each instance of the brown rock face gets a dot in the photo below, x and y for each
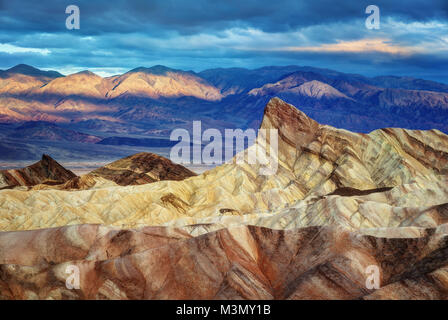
(340, 204)
(46, 171)
(142, 168)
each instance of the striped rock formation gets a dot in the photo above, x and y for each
(339, 203)
(45, 171)
(232, 263)
(142, 168)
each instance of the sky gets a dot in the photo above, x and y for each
(116, 36)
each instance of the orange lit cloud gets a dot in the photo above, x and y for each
(357, 46)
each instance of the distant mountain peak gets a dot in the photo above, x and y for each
(32, 71)
(142, 168)
(47, 161)
(23, 68)
(46, 157)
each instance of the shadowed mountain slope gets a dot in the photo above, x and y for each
(137, 169)
(46, 170)
(42, 130)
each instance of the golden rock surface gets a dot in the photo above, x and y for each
(339, 204)
(314, 161)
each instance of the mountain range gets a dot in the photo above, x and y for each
(150, 102)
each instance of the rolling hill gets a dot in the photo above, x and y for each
(339, 203)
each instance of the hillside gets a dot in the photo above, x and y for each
(338, 203)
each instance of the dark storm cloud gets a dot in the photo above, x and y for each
(197, 34)
(194, 16)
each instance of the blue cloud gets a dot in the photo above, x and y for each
(201, 34)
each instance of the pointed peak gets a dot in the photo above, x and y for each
(294, 126)
(47, 159)
(156, 70)
(276, 107)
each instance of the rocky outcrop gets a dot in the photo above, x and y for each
(313, 161)
(46, 171)
(137, 169)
